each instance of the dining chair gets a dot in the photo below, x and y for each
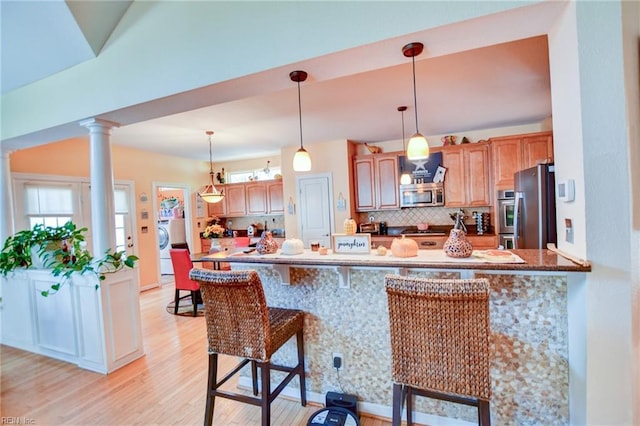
(182, 264)
(439, 342)
(240, 324)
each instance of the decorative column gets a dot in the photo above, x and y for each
(6, 199)
(102, 192)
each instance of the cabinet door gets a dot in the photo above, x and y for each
(537, 149)
(454, 180)
(507, 159)
(365, 190)
(275, 199)
(386, 181)
(256, 194)
(235, 198)
(477, 174)
(218, 209)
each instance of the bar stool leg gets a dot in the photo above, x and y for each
(265, 373)
(484, 413)
(254, 376)
(301, 375)
(211, 387)
(409, 405)
(397, 404)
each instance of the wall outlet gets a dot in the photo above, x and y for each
(338, 361)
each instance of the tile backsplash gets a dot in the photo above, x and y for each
(412, 216)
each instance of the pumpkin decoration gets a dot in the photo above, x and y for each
(381, 251)
(292, 246)
(404, 247)
(350, 226)
(267, 244)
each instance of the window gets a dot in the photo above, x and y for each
(53, 202)
(48, 204)
(251, 175)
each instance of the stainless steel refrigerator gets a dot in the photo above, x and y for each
(535, 207)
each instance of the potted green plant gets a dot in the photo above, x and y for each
(61, 249)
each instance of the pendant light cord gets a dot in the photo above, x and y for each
(300, 114)
(404, 151)
(415, 101)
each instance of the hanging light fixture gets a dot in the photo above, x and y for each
(405, 178)
(302, 160)
(209, 193)
(418, 147)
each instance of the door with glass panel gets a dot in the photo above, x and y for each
(123, 216)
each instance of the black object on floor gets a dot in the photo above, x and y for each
(333, 416)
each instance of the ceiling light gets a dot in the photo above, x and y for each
(418, 148)
(405, 178)
(209, 193)
(301, 161)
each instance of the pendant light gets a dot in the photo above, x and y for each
(302, 160)
(405, 178)
(418, 147)
(209, 193)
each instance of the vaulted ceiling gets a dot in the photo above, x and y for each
(500, 85)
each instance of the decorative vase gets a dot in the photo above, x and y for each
(457, 244)
(267, 244)
(215, 246)
(350, 226)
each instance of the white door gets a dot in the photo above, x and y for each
(315, 212)
(124, 216)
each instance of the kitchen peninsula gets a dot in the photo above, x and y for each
(344, 298)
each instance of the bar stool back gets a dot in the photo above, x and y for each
(240, 324)
(439, 342)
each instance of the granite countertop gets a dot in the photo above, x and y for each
(524, 260)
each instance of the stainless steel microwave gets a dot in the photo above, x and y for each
(421, 195)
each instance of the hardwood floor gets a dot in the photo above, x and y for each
(165, 387)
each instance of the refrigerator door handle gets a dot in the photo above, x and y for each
(516, 218)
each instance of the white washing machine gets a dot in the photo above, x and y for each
(169, 232)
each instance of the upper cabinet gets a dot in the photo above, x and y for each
(218, 209)
(264, 198)
(466, 182)
(376, 182)
(253, 198)
(514, 153)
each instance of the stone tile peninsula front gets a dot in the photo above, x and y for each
(345, 303)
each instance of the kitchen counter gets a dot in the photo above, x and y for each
(345, 307)
(532, 260)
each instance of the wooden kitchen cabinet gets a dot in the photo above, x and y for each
(235, 200)
(264, 198)
(466, 182)
(376, 182)
(256, 194)
(218, 209)
(275, 198)
(518, 152)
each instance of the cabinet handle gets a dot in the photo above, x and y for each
(428, 243)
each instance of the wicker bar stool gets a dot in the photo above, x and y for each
(439, 342)
(239, 323)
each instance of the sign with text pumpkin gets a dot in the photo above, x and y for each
(351, 243)
(422, 171)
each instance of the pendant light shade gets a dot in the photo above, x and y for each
(209, 193)
(302, 160)
(418, 147)
(405, 178)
